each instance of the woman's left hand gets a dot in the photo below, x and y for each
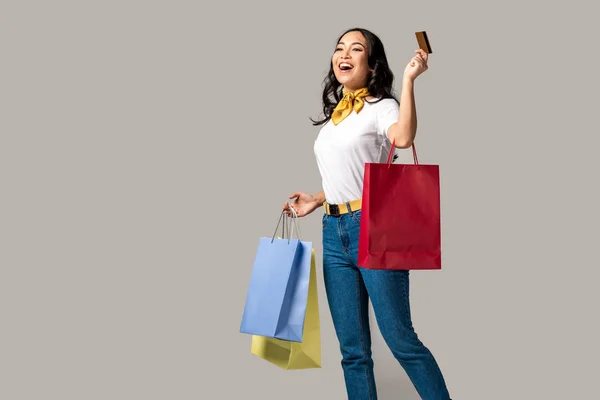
(417, 65)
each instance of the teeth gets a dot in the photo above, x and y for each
(344, 65)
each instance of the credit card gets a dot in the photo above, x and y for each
(423, 41)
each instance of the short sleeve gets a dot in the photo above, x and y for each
(387, 114)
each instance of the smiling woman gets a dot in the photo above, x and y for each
(362, 119)
(358, 60)
(351, 70)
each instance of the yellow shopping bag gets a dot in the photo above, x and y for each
(295, 355)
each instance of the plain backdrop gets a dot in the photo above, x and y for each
(146, 146)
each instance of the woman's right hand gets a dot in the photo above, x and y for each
(303, 204)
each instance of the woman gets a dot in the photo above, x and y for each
(361, 120)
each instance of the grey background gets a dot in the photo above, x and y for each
(146, 146)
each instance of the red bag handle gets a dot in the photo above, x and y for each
(391, 154)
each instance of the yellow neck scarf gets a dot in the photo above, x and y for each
(350, 101)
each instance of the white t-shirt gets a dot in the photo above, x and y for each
(342, 150)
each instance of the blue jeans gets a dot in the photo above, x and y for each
(348, 289)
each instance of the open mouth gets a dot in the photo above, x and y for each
(345, 67)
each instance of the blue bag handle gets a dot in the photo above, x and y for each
(294, 225)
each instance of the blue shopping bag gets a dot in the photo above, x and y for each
(278, 291)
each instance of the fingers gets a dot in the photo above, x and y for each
(287, 206)
(287, 210)
(420, 60)
(423, 53)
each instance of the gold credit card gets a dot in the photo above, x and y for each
(423, 41)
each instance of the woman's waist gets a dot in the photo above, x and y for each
(336, 209)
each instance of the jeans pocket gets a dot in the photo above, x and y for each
(356, 216)
(324, 220)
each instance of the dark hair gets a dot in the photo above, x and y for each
(379, 82)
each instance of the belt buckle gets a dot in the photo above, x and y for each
(334, 210)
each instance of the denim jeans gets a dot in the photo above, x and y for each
(349, 288)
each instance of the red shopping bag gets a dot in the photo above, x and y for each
(400, 225)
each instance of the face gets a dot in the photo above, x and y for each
(349, 61)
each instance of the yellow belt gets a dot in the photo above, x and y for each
(344, 208)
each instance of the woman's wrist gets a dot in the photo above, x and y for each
(406, 81)
(318, 199)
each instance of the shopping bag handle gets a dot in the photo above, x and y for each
(283, 229)
(294, 225)
(391, 154)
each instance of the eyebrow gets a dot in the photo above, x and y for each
(353, 43)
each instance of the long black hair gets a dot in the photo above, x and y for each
(379, 82)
